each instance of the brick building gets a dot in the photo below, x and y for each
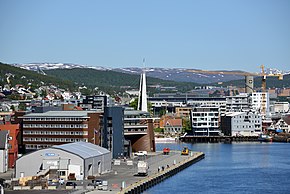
(42, 130)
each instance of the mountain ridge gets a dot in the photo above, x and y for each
(173, 74)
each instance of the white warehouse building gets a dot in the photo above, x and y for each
(81, 159)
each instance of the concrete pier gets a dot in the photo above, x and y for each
(124, 179)
(158, 177)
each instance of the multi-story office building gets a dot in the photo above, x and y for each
(238, 103)
(113, 131)
(241, 124)
(205, 121)
(41, 130)
(260, 102)
(169, 103)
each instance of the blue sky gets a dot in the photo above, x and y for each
(198, 34)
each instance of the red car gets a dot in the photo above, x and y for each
(166, 151)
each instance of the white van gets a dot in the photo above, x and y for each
(141, 153)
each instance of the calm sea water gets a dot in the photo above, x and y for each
(232, 168)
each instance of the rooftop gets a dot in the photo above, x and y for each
(83, 149)
(60, 114)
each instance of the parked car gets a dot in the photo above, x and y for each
(69, 183)
(95, 182)
(52, 182)
(166, 151)
(61, 181)
(141, 153)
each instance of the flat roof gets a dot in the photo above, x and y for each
(83, 149)
(135, 112)
(60, 114)
(232, 114)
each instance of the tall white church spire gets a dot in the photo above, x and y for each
(142, 99)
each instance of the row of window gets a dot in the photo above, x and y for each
(205, 119)
(55, 139)
(55, 126)
(135, 130)
(204, 114)
(55, 119)
(205, 124)
(55, 132)
(250, 121)
(246, 126)
(29, 146)
(173, 129)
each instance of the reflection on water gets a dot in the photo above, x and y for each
(232, 168)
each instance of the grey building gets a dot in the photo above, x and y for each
(81, 159)
(241, 124)
(94, 102)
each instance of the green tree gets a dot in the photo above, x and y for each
(186, 124)
(12, 107)
(22, 106)
(134, 103)
(162, 112)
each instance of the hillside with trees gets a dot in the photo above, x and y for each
(30, 78)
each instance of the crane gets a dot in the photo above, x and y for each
(263, 74)
(249, 80)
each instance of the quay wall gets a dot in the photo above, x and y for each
(217, 139)
(156, 178)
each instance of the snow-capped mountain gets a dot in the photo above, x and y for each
(175, 74)
(50, 66)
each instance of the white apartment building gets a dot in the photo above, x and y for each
(209, 102)
(260, 102)
(241, 124)
(238, 103)
(205, 121)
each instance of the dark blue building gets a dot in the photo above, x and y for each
(113, 131)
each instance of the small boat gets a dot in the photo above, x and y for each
(265, 138)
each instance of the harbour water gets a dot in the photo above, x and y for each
(232, 168)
